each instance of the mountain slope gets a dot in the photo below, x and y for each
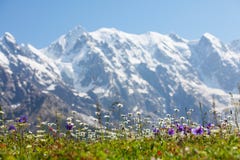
(149, 72)
(30, 83)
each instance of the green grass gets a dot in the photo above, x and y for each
(161, 147)
(133, 137)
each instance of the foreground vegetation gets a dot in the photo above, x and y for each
(133, 137)
(200, 147)
(193, 147)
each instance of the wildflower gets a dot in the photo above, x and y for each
(156, 131)
(69, 126)
(138, 113)
(210, 125)
(74, 112)
(180, 128)
(97, 113)
(23, 119)
(106, 116)
(147, 130)
(189, 113)
(43, 123)
(229, 117)
(51, 129)
(69, 118)
(40, 131)
(208, 131)
(62, 135)
(119, 105)
(11, 128)
(187, 130)
(171, 131)
(176, 110)
(159, 153)
(198, 131)
(9, 121)
(191, 110)
(160, 120)
(129, 114)
(187, 149)
(123, 116)
(182, 118)
(195, 124)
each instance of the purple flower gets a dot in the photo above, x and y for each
(23, 119)
(171, 131)
(69, 126)
(156, 131)
(180, 128)
(198, 131)
(209, 126)
(208, 131)
(11, 128)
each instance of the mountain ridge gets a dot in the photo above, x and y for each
(148, 72)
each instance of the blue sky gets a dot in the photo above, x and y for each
(39, 22)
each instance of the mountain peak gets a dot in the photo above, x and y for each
(209, 39)
(75, 33)
(176, 37)
(107, 30)
(209, 36)
(77, 29)
(9, 37)
(65, 42)
(110, 32)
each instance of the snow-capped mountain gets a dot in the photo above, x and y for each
(30, 83)
(151, 73)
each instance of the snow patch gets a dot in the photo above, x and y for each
(81, 94)
(51, 87)
(40, 70)
(14, 106)
(4, 60)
